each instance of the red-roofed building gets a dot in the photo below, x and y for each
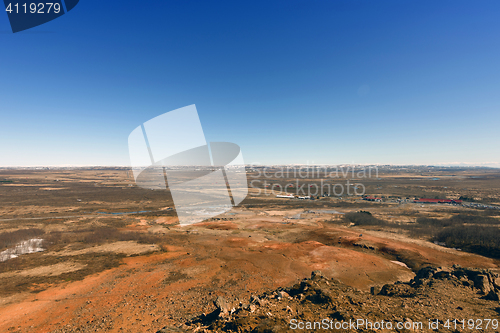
(370, 198)
(448, 201)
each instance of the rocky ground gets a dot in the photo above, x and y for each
(433, 299)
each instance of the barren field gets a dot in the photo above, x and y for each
(115, 259)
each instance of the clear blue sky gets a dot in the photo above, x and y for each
(326, 82)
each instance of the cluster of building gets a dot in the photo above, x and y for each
(291, 196)
(421, 200)
(479, 205)
(418, 201)
(448, 201)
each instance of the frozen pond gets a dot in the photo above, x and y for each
(324, 211)
(28, 246)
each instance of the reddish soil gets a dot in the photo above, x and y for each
(202, 262)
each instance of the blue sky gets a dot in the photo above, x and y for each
(324, 82)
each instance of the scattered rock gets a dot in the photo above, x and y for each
(256, 300)
(398, 290)
(167, 329)
(442, 275)
(283, 294)
(223, 306)
(317, 275)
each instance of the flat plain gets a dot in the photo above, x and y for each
(114, 257)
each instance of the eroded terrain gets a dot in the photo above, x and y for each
(116, 260)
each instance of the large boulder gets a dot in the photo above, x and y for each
(493, 295)
(398, 290)
(482, 283)
(496, 281)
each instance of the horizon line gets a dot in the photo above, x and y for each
(492, 165)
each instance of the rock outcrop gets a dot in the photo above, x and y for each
(433, 293)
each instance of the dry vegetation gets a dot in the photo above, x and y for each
(99, 249)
